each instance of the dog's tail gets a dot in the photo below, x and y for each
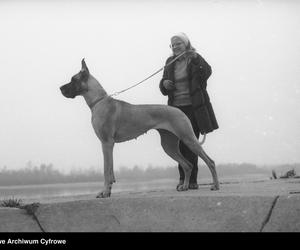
(203, 139)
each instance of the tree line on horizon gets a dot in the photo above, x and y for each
(47, 174)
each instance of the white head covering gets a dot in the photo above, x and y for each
(183, 37)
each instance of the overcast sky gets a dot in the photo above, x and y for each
(252, 46)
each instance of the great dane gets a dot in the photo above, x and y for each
(118, 121)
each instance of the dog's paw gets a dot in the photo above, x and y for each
(103, 194)
(214, 187)
(182, 188)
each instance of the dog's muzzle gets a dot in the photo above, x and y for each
(68, 91)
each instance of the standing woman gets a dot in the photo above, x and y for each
(184, 82)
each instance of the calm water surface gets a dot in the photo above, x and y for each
(43, 193)
(48, 191)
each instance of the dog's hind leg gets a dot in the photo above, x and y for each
(195, 146)
(183, 130)
(170, 144)
(109, 177)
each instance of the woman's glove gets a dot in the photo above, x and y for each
(168, 84)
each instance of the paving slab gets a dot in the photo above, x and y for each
(154, 214)
(16, 220)
(285, 215)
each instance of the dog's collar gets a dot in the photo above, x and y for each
(96, 101)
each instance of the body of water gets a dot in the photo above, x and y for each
(52, 192)
(46, 192)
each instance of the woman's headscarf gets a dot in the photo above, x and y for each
(184, 38)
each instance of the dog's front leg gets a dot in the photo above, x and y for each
(109, 178)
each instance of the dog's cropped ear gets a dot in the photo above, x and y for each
(84, 67)
(84, 71)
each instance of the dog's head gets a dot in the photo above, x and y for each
(78, 84)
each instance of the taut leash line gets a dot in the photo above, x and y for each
(156, 72)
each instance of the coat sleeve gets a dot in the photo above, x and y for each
(163, 90)
(205, 68)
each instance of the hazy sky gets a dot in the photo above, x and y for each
(252, 46)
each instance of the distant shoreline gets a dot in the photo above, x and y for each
(46, 173)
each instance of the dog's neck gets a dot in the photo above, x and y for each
(95, 92)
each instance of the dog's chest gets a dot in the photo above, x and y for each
(127, 133)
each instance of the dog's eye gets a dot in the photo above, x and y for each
(74, 80)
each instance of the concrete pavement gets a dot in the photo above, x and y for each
(267, 206)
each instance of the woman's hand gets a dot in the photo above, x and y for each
(192, 57)
(191, 54)
(168, 84)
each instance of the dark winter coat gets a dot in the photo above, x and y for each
(198, 73)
